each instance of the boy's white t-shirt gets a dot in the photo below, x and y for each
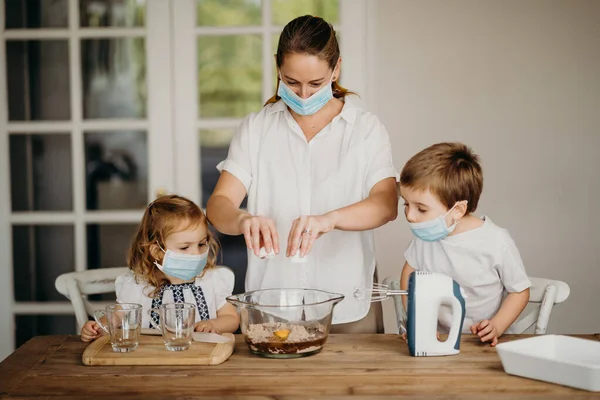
(484, 261)
(216, 283)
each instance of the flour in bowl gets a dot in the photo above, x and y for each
(285, 338)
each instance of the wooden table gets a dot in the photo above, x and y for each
(350, 365)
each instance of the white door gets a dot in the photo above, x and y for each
(106, 103)
(85, 113)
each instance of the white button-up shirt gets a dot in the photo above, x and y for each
(286, 177)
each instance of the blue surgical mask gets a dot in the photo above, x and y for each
(433, 230)
(305, 106)
(183, 266)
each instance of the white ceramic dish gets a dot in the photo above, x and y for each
(563, 360)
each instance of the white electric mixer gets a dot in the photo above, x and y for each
(426, 292)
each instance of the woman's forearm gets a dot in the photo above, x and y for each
(376, 210)
(223, 206)
(224, 215)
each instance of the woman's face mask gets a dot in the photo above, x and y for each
(307, 106)
(316, 101)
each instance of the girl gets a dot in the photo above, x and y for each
(173, 260)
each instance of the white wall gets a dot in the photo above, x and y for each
(519, 81)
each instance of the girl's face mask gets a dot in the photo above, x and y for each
(182, 266)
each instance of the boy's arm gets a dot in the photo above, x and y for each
(514, 279)
(511, 308)
(406, 271)
(509, 311)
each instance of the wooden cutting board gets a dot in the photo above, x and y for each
(152, 351)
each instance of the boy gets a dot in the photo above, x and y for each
(441, 186)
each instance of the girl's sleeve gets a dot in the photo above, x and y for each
(127, 289)
(223, 285)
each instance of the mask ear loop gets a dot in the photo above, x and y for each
(156, 261)
(454, 221)
(160, 247)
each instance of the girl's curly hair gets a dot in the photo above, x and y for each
(161, 218)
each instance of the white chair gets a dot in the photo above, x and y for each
(544, 294)
(77, 285)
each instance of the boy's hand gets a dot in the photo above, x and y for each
(91, 331)
(206, 326)
(487, 331)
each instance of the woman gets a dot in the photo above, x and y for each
(316, 169)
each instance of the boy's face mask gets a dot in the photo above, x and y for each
(434, 229)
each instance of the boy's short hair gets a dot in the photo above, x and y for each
(451, 171)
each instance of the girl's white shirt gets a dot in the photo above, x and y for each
(216, 283)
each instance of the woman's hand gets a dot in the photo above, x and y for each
(305, 230)
(258, 232)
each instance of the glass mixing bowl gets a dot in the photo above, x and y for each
(285, 323)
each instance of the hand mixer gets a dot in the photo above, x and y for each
(426, 292)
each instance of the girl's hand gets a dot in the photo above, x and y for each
(206, 326)
(259, 231)
(91, 331)
(487, 331)
(305, 230)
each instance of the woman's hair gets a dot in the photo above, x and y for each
(311, 36)
(162, 217)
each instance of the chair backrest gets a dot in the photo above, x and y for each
(77, 285)
(544, 294)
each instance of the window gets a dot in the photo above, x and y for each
(76, 118)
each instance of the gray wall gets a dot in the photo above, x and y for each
(519, 81)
